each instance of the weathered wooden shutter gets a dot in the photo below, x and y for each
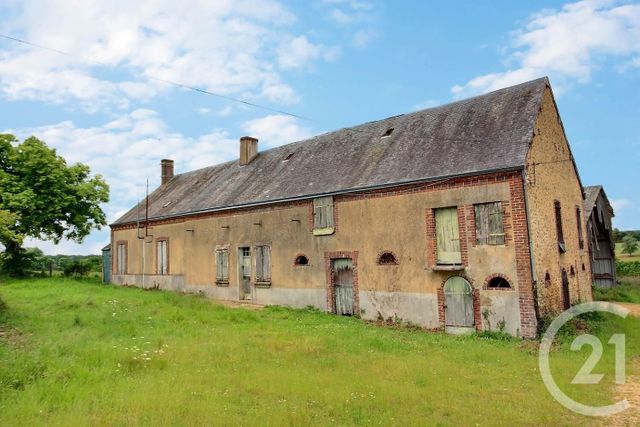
(489, 224)
(159, 257)
(266, 263)
(259, 262)
(323, 212)
(225, 265)
(447, 236)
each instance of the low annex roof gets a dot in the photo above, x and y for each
(485, 133)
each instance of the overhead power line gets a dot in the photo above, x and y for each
(169, 82)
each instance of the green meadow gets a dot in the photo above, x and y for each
(77, 352)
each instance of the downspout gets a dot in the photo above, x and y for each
(534, 276)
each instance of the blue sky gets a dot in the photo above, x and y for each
(335, 62)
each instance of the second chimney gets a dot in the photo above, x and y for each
(166, 170)
(248, 149)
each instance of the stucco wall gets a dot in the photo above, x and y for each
(551, 176)
(367, 223)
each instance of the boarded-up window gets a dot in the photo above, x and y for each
(121, 258)
(263, 263)
(222, 265)
(447, 236)
(323, 213)
(559, 232)
(579, 222)
(162, 256)
(489, 225)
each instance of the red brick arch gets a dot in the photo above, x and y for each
(493, 276)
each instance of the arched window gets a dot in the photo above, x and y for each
(572, 271)
(387, 258)
(301, 260)
(498, 282)
(547, 279)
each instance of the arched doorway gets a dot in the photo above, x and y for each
(458, 300)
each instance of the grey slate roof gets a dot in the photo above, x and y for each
(484, 133)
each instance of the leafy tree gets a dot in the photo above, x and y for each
(629, 245)
(617, 235)
(44, 198)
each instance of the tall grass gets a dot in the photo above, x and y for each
(77, 353)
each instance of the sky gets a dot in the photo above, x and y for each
(104, 100)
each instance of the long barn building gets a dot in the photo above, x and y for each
(468, 216)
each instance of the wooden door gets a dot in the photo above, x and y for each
(244, 260)
(447, 236)
(458, 303)
(342, 272)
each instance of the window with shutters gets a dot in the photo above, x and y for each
(162, 256)
(579, 222)
(263, 264)
(323, 216)
(559, 231)
(489, 225)
(222, 266)
(121, 258)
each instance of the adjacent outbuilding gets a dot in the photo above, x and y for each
(598, 212)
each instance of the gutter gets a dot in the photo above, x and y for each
(331, 193)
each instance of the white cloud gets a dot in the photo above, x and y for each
(128, 149)
(299, 52)
(429, 103)
(566, 44)
(363, 37)
(620, 204)
(228, 47)
(276, 129)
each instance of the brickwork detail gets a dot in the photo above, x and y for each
(462, 230)
(430, 221)
(485, 286)
(528, 319)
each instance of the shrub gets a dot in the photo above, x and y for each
(77, 268)
(625, 268)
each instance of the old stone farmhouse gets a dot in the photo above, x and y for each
(460, 217)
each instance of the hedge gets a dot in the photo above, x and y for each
(628, 268)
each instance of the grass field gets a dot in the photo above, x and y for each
(626, 257)
(77, 353)
(628, 290)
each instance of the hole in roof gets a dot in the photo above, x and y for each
(287, 157)
(388, 132)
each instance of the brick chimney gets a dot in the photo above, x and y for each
(166, 170)
(248, 149)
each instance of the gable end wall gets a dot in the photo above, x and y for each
(550, 176)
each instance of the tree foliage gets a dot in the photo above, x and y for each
(43, 197)
(629, 245)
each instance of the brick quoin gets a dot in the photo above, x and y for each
(528, 319)
(430, 222)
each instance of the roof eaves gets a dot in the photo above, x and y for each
(313, 196)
